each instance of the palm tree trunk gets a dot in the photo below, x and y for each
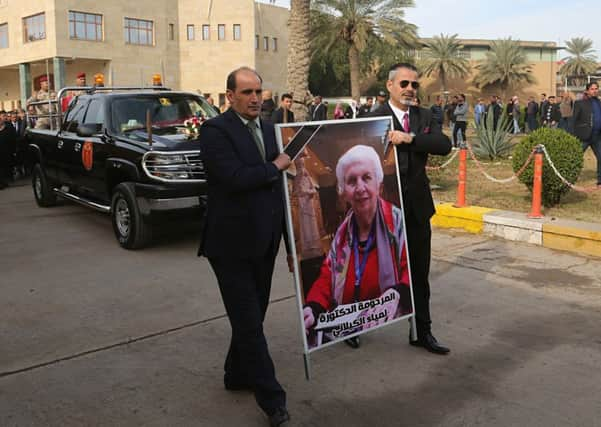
(299, 57)
(443, 83)
(353, 59)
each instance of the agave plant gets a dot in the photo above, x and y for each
(494, 142)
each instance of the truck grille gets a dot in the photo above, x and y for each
(174, 166)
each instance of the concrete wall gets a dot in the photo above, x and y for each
(271, 21)
(13, 12)
(128, 64)
(9, 89)
(205, 64)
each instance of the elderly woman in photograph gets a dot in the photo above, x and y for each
(368, 257)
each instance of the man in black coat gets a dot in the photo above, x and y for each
(318, 111)
(495, 109)
(551, 114)
(19, 124)
(242, 232)
(416, 134)
(586, 122)
(8, 144)
(283, 114)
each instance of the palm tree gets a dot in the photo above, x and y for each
(441, 57)
(352, 22)
(505, 65)
(299, 56)
(582, 60)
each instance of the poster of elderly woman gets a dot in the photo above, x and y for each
(347, 225)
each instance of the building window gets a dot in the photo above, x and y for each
(256, 42)
(464, 54)
(237, 32)
(34, 27)
(85, 26)
(221, 32)
(171, 34)
(139, 31)
(275, 44)
(265, 43)
(3, 36)
(206, 32)
(190, 32)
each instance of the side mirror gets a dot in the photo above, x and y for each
(85, 130)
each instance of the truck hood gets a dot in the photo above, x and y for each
(166, 142)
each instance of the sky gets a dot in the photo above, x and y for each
(532, 20)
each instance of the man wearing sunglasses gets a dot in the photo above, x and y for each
(416, 134)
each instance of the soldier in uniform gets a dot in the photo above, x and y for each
(80, 82)
(43, 110)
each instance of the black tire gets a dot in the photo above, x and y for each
(131, 229)
(42, 190)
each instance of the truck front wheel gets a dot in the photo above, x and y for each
(131, 229)
(42, 191)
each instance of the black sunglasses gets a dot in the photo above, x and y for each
(405, 83)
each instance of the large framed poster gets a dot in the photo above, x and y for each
(345, 218)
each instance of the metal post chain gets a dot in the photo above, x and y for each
(445, 164)
(565, 181)
(492, 178)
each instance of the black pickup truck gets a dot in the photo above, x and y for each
(129, 152)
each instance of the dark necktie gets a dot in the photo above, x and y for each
(253, 128)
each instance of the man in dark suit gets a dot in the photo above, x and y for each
(283, 114)
(416, 134)
(318, 110)
(21, 150)
(242, 232)
(586, 122)
(551, 115)
(495, 109)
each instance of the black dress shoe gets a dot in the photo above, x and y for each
(353, 342)
(279, 418)
(428, 342)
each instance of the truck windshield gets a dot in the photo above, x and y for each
(168, 112)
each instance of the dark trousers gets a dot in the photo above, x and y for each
(245, 285)
(4, 176)
(595, 143)
(459, 126)
(532, 123)
(419, 238)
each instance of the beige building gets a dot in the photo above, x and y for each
(193, 44)
(541, 55)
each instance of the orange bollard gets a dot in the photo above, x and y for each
(460, 203)
(537, 185)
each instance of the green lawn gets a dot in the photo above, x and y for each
(514, 196)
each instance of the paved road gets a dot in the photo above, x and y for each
(92, 335)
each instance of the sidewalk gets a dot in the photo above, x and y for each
(554, 233)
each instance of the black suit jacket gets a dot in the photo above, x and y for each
(278, 116)
(582, 119)
(245, 206)
(318, 112)
(412, 159)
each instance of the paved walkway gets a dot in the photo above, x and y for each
(92, 335)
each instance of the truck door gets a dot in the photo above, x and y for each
(69, 146)
(93, 152)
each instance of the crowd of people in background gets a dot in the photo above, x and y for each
(548, 111)
(455, 112)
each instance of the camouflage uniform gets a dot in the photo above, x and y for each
(42, 110)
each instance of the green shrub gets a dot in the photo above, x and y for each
(565, 151)
(494, 142)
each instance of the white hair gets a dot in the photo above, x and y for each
(359, 153)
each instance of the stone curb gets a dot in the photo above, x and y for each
(567, 235)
